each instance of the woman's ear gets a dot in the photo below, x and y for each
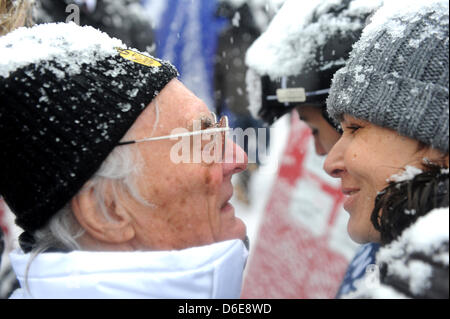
(112, 227)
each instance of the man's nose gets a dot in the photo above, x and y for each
(235, 159)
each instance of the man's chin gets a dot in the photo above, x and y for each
(237, 230)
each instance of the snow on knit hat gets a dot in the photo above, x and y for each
(398, 72)
(304, 45)
(68, 94)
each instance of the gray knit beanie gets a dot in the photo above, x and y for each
(398, 73)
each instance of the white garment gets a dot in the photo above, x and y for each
(212, 271)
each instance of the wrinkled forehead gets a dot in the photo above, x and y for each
(177, 100)
(174, 107)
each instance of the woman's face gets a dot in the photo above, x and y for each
(191, 200)
(364, 158)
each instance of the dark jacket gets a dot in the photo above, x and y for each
(413, 259)
(413, 272)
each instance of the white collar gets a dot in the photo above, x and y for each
(212, 271)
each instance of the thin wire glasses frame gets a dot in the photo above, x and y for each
(220, 126)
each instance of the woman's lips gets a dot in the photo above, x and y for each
(350, 198)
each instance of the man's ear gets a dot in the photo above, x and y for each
(115, 228)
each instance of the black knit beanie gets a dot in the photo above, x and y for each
(68, 94)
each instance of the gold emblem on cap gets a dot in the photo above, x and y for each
(138, 57)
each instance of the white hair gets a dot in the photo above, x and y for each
(118, 172)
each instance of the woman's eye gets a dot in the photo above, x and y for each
(353, 128)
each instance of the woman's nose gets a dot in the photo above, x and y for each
(334, 163)
(235, 159)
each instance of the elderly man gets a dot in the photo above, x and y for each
(88, 132)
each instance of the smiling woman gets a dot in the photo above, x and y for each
(364, 158)
(392, 158)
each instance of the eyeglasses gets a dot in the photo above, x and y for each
(217, 128)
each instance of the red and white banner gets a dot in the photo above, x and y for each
(302, 247)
